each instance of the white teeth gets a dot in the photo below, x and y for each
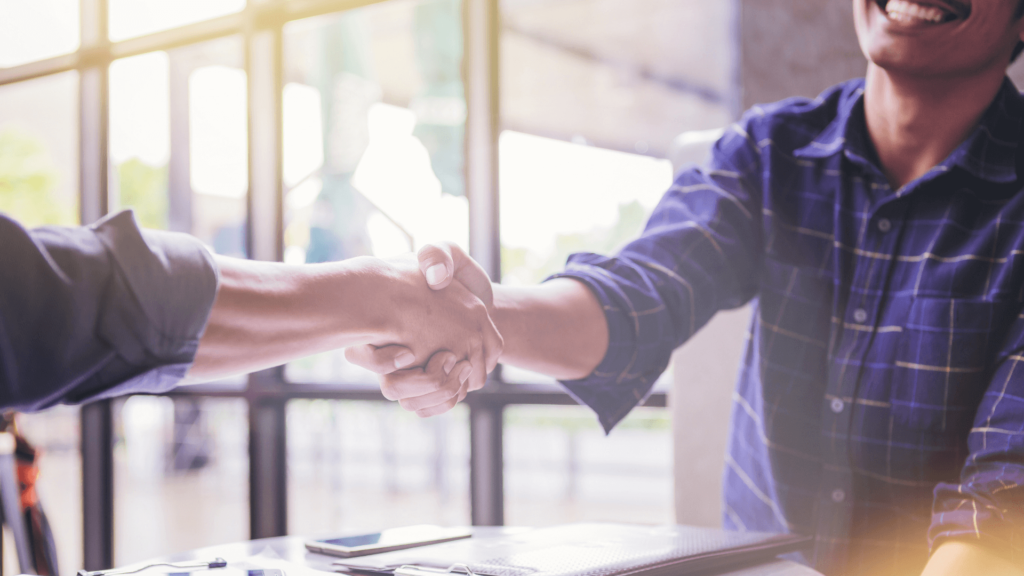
(904, 11)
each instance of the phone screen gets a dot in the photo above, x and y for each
(353, 541)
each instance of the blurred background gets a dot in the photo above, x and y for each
(317, 130)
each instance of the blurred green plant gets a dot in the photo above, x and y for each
(143, 188)
(27, 181)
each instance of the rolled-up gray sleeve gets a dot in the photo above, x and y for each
(98, 311)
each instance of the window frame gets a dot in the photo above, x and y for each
(266, 393)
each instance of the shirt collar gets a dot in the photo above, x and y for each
(989, 153)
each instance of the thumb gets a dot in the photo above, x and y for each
(442, 262)
(382, 360)
(437, 265)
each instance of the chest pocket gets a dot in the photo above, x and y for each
(944, 361)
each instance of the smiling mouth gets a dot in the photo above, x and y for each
(907, 12)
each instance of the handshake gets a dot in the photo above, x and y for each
(432, 326)
(440, 343)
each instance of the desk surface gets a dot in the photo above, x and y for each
(291, 549)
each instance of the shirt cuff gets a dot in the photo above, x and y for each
(614, 387)
(985, 509)
(155, 311)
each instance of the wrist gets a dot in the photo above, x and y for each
(393, 291)
(356, 294)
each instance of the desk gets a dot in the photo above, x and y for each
(291, 549)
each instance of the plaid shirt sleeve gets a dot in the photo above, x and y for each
(987, 505)
(699, 253)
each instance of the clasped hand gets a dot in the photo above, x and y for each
(444, 341)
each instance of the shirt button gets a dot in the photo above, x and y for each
(838, 496)
(860, 315)
(884, 225)
(838, 405)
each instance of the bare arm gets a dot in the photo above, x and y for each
(958, 558)
(266, 314)
(556, 328)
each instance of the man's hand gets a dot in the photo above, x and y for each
(448, 342)
(964, 558)
(428, 391)
(444, 263)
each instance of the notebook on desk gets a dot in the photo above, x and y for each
(585, 550)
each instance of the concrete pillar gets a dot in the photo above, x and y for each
(795, 48)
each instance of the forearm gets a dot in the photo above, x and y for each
(957, 558)
(557, 328)
(267, 314)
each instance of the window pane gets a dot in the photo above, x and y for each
(597, 96)
(560, 467)
(55, 434)
(362, 466)
(181, 473)
(37, 29)
(178, 141)
(140, 136)
(39, 150)
(374, 121)
(129, 18)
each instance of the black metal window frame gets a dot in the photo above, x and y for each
(266, 393)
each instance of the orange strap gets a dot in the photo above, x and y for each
(27, 476)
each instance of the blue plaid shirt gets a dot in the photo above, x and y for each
(880, 404)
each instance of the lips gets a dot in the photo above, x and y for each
(924, 12)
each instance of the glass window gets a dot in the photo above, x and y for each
(362, 466)
(179, 141)
(560, 467)
(55, 434)
(140, 136)
(129, 18)
(39, 150)
(181, 473)
(36, 30)
(596, 95)
(374, 121)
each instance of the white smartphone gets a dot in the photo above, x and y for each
(386, 540)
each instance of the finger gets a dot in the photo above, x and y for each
(471, 274)
(436, 264)
(478, 377)
(414, 382)
(494, 345)
(445, 261)
(447, 404)
(452, 388)
(380, 360)
(464, 390)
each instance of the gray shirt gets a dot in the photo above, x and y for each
(98, 311)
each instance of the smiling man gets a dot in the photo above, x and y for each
(879, 231)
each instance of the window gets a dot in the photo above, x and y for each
(317, 131)
(32, 31)
(39, 150)
(374, 122)
(356, 467)
(181, 472)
